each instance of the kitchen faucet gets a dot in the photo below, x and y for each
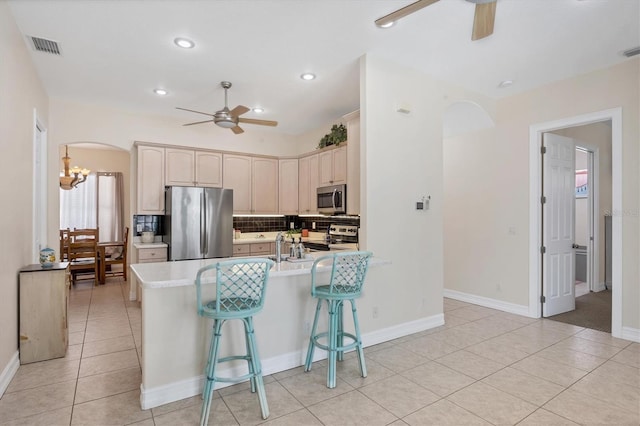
(279, 239)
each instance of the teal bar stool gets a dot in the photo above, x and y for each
(240, 288)
(348, 270)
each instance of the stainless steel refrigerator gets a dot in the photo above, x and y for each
(198, 222)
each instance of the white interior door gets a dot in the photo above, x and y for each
(558, 215)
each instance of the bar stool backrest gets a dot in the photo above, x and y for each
(240, 288)
(348, 271)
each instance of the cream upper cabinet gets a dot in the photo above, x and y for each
(333, 166)
(186, 167)
(237, 176)
(288, 186)
(150, 177)
(179, 167)
(353, 162)
(208, 169)
(264, 185)
(307, 184)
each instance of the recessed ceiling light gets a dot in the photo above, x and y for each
(258, 110)
(387, 24)
(308, 76)
(184, 43)
(505, 83)
(160, 92)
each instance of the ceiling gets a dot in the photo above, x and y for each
(115, 53)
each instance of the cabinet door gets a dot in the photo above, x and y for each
(340, 165)
(353, 165)
(180, 167)
(325, 165)
(303, 186)
(237, 176)
(264, 186)
(288, 186)
(307, 184)
(150, 189)
(209, 169)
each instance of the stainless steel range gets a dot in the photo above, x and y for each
(336, 235)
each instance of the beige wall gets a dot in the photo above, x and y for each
(498, 168)
(98, 158)
(21, 92)
(401, 161)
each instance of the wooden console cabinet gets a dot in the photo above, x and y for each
(44, 301)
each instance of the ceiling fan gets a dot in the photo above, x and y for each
(483, 19)
(229, 119)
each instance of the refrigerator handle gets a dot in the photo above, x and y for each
(203, 222)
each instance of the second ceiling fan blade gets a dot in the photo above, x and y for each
(401, 13)
(237, 130)
(239, 110)
(483, 20)
(260, 122)
(192, 110)
(198, 122)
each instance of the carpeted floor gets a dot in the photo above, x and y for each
(593, 311)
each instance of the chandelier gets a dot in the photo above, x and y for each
(72, 176)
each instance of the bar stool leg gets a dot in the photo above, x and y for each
(363, 367)
(252, 379)
(332, 344)
(307, 364)
(209, 383)
(257, 368)
(340, 332)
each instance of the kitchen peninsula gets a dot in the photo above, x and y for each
(175, 338)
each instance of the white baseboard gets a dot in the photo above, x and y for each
(153, 397)
(632, 334)
(600, 287)
(500, 305)
(9, 371)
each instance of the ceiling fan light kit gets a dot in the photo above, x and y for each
(483, 19)
(229, 119)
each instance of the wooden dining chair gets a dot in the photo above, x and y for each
(117, 258)
(64, 245)
(82, 253)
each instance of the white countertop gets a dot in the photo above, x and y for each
(183, 273)
(150, 245)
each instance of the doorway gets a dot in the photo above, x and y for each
(614, 116)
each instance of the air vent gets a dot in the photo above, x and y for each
(44, 45)
(632, 52)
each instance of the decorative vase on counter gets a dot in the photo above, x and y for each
(147, 236)
(47, 257)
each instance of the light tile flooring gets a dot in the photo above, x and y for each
(482, 367)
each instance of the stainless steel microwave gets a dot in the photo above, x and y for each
(332, 199)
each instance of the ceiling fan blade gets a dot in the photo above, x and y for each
(483, 20)
(401, 13)
(198, 112)
(260, 122)
(198, 122)
(237, 130)
(239, 110)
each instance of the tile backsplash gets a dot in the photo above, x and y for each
(246, 224)
(274, 224)
(142, 223)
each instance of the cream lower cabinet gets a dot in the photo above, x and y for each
(44, 302)
(254, 181)
(288, 186)
(253, 249)
(150, 178)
